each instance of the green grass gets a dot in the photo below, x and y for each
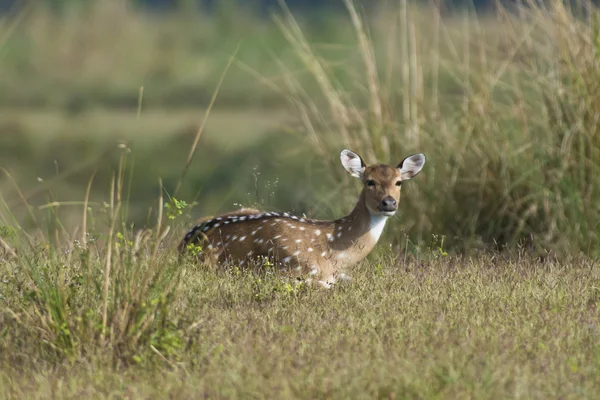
(428, 326)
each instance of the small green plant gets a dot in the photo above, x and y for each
(7, 232)
(175, 207)
(122, 241)
(194, 249)
(379, 270)
(440, 248)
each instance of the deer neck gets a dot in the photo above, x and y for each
(354, 236)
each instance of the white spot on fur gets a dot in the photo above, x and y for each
(270, 250)
(314, 271)
(277, 237)
(377, 225)
(242, 238)
(234, 237)
(298, 268)
(341, 255)
(318, 232)
(298, 240)
(217, 225)
(339, 234)
(323, 254)
(287, 259)
(296, 253)
(301, 228)
(242, 218)
(309, 249)
(329, 236)
(249, 253)
(226, 222)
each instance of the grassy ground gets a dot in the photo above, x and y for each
(438, 327)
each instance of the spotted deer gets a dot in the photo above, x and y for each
(320, 249)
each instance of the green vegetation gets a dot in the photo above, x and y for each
(486, 286)
(451, 327)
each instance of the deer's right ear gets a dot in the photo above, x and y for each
(353, 163)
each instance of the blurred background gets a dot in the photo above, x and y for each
(491, 93)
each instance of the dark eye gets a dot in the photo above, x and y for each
(370, 182)
(399, 183)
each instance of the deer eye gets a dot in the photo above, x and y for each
(370, 182)
(399, 183)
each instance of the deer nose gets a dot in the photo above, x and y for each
(388, 204)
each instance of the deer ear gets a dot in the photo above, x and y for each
(411, 166)
(353, 163)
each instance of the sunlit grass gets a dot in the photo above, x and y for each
(437, 326)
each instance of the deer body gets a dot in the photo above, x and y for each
(320, 249)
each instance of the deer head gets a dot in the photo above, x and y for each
(382, 183)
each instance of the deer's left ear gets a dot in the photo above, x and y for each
(411, 166)
(353, 163)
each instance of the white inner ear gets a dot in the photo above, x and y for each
(352, 163)
(411, 166)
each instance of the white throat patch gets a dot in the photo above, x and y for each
(377, 225)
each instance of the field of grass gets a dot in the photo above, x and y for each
(424, 326)
(486, 286)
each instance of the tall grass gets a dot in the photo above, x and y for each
(503, 105)
(102, 292)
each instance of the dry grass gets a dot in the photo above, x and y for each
(482, 327)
